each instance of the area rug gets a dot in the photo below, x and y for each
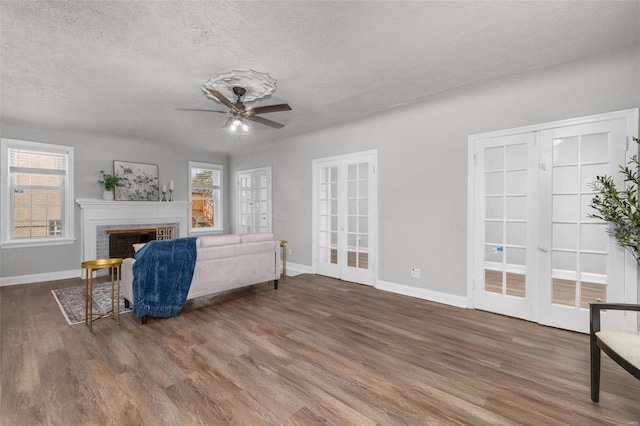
(71, 301)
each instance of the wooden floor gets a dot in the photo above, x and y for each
(316, 350)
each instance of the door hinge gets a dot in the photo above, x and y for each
(374, 169)
(475, 160)
(626, 143)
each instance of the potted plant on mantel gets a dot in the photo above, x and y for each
(621, 207)
(109, 182)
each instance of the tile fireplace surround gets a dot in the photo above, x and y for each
(96, 214)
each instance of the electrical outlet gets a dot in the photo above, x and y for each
(415, 273)
(289, 252)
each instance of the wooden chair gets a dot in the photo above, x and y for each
(622, 347)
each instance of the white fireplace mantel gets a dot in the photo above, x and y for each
(96, 212)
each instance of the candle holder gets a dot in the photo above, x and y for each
(171, 195)
(164, 195)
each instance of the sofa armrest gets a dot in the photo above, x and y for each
(126, 279)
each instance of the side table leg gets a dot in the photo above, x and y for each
(86, 297)
(90, 300)
(117, 308)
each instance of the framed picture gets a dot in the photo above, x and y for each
(139, 181)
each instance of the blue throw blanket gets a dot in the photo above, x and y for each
(162, 276)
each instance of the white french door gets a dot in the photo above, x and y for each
(254, 200)
(537, 253)
(579, 262)
(505, 182)
(345, 204)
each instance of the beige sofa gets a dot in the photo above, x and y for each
(224, 262)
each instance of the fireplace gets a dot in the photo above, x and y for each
(168, 219)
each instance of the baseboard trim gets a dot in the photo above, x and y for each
(422, 293)
(294, 269)
(36, 278)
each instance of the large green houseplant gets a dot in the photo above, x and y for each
(620, 207)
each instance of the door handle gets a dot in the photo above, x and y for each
(542, 249)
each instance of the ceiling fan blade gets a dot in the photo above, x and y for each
(265, 122)
(224, 100)
(206, 110)
(268, 108)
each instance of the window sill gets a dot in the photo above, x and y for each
(37, 243)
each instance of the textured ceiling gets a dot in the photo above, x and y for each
(125, 67)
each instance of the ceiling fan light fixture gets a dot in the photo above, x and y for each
(238, 125)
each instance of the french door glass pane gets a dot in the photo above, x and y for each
(516, 233)
(594, 237)
(516, 257)
(493, 254)
(593, 263)
(363, 205)
(494, 207)
(563, 263)
(565, 208)
(594, 148)
(564, 292)
(565, 180)
(565, 235)
(516, 207)
(494, 183)
(493, 232)
(515, 284)
(589, 173)
(493, 281)
(516, 157)
(592, 292)
(494, 159)
(565, 151)
(517, 182)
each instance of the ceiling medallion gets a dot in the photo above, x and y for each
(258, 85)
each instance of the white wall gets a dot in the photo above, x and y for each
(422, 161)
(94, 153)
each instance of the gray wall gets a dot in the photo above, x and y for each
(422, 179)
(94, 153)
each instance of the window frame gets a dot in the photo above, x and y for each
(218, 210)
(6, 210)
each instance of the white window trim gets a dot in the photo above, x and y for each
(5, 196)
(219, 220)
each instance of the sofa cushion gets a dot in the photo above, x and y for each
(235, 250)
(218, 240)
(256, 238)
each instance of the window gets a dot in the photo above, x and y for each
(205, 189)
(36, 194)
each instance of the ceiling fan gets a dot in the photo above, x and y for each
(239, 113)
